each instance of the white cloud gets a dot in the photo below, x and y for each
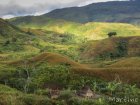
(8, 16)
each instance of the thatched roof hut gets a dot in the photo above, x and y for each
(86, 92)
(54, 94)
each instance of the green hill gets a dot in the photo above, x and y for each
(90, 31)
(14, 39)
(7, 30)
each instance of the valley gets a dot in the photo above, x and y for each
(46, 60)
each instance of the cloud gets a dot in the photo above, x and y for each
(11, 8)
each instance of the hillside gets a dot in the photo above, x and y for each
(51, 58)
(90, 31)
(111, 48)
(126, 63)
(6, 28)
(128, 12)
(11, 37)
(129, 67)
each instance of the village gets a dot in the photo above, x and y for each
(55, 91)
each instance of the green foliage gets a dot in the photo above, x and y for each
(122, 48)
(35, 100)
(77, 101)
(42, 92)
(66, 95)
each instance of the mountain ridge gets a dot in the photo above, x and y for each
(100, 12)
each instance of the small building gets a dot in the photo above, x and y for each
(86, 92)
(54, 89)
(54, 94)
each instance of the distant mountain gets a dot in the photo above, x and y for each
(115, 11)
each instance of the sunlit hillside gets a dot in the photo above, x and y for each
(91, 30)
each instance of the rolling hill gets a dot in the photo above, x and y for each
(129, 67)
(66, 48)
(51, 58)
(90, 31)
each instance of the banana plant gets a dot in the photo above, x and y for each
(112, 87)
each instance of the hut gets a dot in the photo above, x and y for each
(86, 92)
(54, 94)
(54, 89)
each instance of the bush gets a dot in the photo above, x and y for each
(110, 34)
(35, 100)
(66, 94)
(42, 92)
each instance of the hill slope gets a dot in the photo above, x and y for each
(107, 73)
(51, 58)
(13, 38)
(8, 30)
(112, 48)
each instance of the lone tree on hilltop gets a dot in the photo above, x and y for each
(110, 34)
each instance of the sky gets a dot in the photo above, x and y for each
(12, 8)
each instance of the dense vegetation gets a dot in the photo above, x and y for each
(37, 78)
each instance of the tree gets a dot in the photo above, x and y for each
(7, 43)
(110, 34)
(29, 31)
(14, 39)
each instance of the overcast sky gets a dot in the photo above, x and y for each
(12, 8)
